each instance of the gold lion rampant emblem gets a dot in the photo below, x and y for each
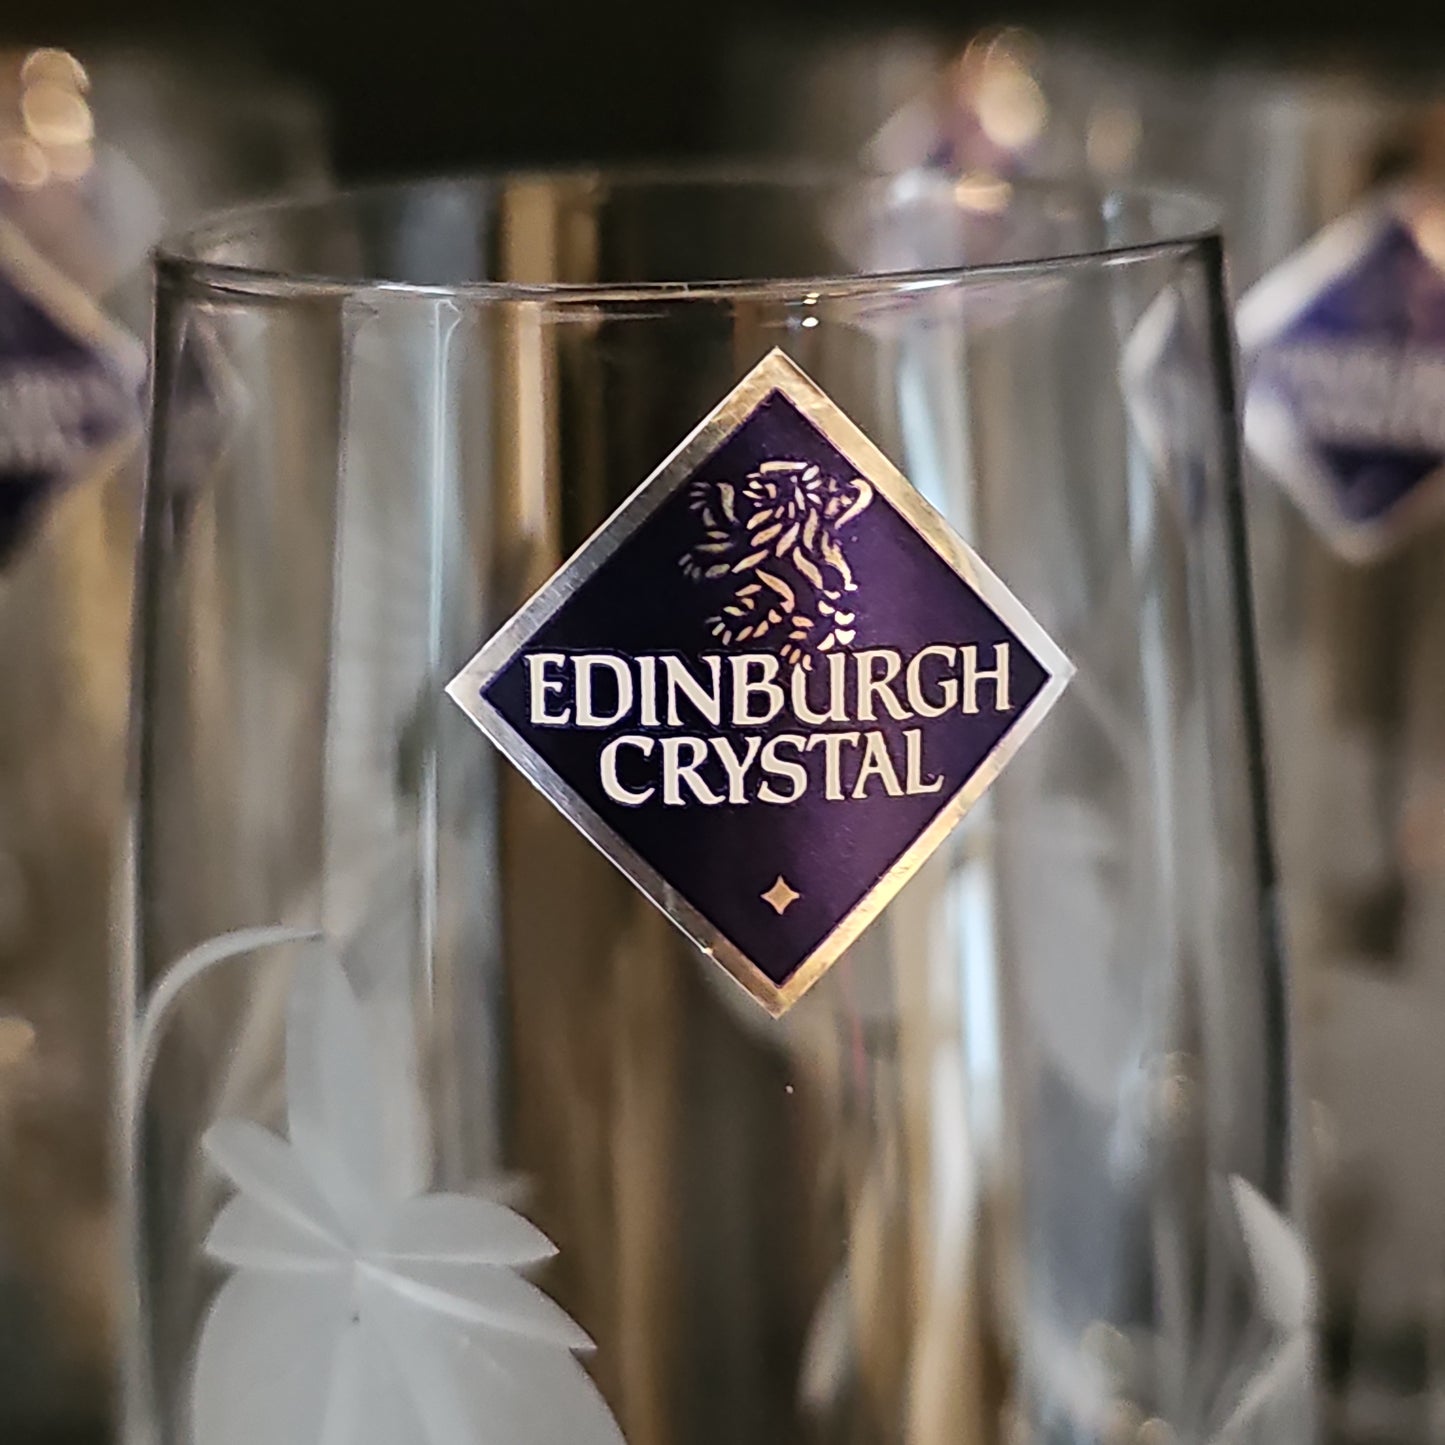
(776, 538)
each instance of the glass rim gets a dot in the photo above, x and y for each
(182, 257)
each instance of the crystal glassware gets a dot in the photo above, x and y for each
(701, 871)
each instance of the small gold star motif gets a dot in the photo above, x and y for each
(780, 897)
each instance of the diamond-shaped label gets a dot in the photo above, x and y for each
(1344, 354)
(770, 685)
(70, 383)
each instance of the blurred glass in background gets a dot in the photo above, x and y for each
(98, 155)
(1351, 641)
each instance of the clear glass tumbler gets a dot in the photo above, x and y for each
(846, 616)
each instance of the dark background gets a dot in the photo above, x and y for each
(439, 84)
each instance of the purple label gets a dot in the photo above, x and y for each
(69, 386)
(1344, 347)
(770, 685)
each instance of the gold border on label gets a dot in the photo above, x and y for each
(776, 372)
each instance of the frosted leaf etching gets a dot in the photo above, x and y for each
(358, 1311)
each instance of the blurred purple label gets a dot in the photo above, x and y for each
(69, 386)
(770, 685)
(1344, 351)
(984, 112)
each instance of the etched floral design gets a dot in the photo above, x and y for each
(360, 1311)
(776, 538)
(1287, 1293)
